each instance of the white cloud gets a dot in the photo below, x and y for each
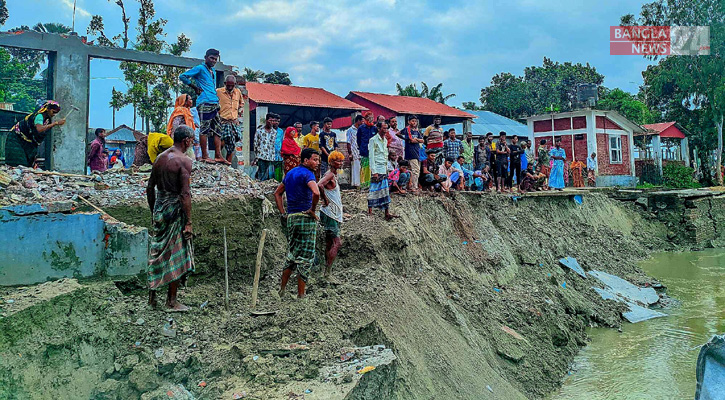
(79, 10)
(270, 9)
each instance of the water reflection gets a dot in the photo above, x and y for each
(656, 359)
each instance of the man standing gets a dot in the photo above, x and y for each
(169, 197)
(299, 137)
(96, 159)
(365, 132)
(544, 157)
(299, 219)
(264, 141)
(230, 102)
(481, 154)
(413, 140)
(452, 147)
(515, 152)
(331, 210)
(354, 151)
(468, 151)
(379, 195)
(328, 143)
(278, 160)
(312, 139)
(502, 156)
(556, 178)
(433, 135)
(208, 102)
(592, 170)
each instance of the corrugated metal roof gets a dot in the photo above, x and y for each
(267, 93)
(488, 121)
(121, 134)
(411, 105)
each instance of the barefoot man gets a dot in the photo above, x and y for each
(169, 197)
(331, 210)
(302, 196)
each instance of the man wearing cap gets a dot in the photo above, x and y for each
(208, 102)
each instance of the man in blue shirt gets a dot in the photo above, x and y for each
(300, 220)
(208, 102)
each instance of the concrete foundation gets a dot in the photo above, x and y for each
(37, 245)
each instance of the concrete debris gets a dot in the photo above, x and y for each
(114, 187)
(573, 264)
(635, 298)
(628, 291)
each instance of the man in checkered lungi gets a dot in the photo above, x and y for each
(300, 220)
(230, 130)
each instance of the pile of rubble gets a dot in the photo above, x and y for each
(114, 187)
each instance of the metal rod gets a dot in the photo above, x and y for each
(258, 268)
(226, 272)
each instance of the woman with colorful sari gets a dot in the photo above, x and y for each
(290, 150)
(21, 145)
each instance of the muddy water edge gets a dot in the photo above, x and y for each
(467, 292)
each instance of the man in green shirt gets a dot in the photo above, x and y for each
(468, 150)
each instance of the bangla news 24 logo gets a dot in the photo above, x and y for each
(659, 40)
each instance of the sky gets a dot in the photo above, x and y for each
(366, 45)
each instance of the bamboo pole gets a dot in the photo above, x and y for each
(258, 267)
(226, 272)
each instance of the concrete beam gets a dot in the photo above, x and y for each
(69, 61)
(74, 44)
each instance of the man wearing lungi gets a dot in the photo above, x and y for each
(302, 193)
(169, 196)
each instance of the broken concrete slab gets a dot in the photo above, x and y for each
(573, 264)
(628, 291)
(638, 313)
(38, 246)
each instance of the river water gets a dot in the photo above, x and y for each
(656, 359)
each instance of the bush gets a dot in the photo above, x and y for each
(679, 177)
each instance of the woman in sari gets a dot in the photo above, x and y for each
(395, 145)
(290, 150)
(558, 158)
(21, 145)
(576, 172)
(182, 116)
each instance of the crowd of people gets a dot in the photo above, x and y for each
(384, 159)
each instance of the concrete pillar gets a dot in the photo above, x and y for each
(261, 115)
(657, 149)
(685, 149)
(71, 84)
(401, 122)
(247, 133)
(530, 131)
(592, 137)
(467, 127)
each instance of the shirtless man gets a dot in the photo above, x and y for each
(169, 197)
(331, 210)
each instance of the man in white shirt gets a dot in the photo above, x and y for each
(592, 170)
(354, 151)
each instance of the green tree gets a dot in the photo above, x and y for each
(549, 87)
(435, 93)
(3, 12)
(699, 81)
(471, 106)
(251, 75)
(279, 78)
(151, 87)
(626, 104)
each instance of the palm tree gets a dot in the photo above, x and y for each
(435, 94)
(253, 76)
(51, 27)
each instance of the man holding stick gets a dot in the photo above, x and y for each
(300, 220)
(169, 197)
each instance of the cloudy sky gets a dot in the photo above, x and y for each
(368, 45)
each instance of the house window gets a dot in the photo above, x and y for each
(615, 149)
